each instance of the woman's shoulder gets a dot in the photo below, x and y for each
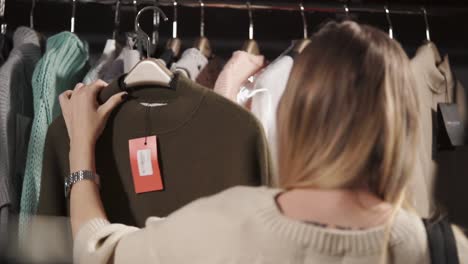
(408, 239)
(233, 203)
(237, 200)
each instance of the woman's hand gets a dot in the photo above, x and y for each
(85, 120)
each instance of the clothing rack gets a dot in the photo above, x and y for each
(315, 6)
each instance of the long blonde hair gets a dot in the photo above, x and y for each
(348, 117)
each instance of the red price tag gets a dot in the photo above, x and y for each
(145, 164)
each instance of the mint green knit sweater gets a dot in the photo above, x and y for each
(63, 65)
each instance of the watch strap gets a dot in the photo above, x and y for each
(77, 177)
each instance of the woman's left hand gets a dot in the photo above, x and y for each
(84, 117)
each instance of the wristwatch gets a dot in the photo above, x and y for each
(79, 176)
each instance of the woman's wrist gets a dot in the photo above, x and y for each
(82, 157)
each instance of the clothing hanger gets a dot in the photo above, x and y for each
(202, 43)
(426, 22)
(174, 43)
(250, 45)
(149, 71)
(3, 26)
(155, 32)
(346, 9)
(131, 37)
(390, 25)
(31, 14)
(115, 33)
(428, 40)
(299, 45)
(72, 20)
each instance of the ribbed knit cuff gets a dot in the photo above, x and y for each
(84, 235)
(88, 229)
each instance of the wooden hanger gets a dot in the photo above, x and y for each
(174, 43)
(300, 44)
(251, 45)
(202, 43)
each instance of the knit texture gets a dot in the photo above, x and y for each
(63, 65)
(110, 53)
(210, 73)
(191, 63)
(16, 113)
(244, 225)
(237, 70)
(126, 60)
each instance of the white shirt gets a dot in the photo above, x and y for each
(273, 81)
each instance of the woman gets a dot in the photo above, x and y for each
(348, 138)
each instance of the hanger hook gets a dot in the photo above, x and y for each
(31, 14)
(3, 26)
(174, 21)
(304, 20)
(426, 21)
(251, 21)
(116, 19)
(156, 22)
(135, 9)
(141, 33)
(346, 9)
(72, 21)
(390, 25)
(202, 18)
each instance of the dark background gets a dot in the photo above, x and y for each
(228, 28)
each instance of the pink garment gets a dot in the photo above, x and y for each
(237, 70)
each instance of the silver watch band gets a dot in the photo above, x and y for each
(79, 176)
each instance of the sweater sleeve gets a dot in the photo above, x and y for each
(99, 241)
(462, 244)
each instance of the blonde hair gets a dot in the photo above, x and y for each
(348, 117)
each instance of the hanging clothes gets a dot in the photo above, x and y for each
(5, 48)
(191, 63)
(272, 83)
(110, 53)
(435, 85)
(16, 113)
(168, 57)
(126, 60)
(210, 73)
(237, 70)
(62, 67)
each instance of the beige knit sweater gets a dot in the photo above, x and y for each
(244, 225)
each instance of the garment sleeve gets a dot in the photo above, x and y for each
(99, 241)
(462, 244)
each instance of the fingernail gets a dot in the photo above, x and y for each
(124, 96)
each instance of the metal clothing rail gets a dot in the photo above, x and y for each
(309, 6)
